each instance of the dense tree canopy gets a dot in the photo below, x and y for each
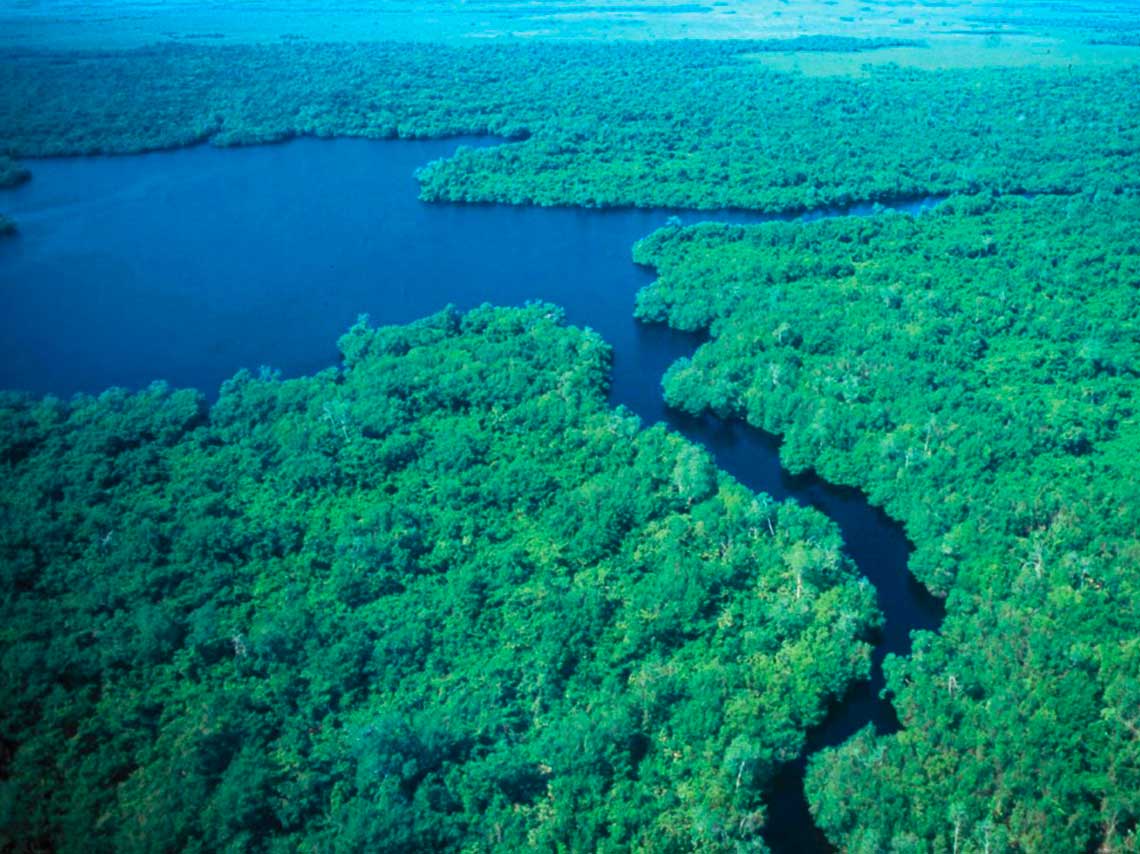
(444, 598)
(441, 598)
(681, 124)
(975, 371)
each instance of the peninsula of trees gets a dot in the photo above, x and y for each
(975, 371)
(441, 598)
(235, 621)
(671, 124)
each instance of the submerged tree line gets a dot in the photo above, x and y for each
(442, 597)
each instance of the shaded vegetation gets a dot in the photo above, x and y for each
(680, 124)
(827, 44)
(12, 174)
(975, 371)
(1120, 39)
(443, 598)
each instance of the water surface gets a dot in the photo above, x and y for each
(188, 265)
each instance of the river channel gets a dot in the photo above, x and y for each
(188, 265)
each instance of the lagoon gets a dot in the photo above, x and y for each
(186, 266)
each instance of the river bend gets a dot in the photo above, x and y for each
(188, 265)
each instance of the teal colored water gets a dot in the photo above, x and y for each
(186, 266)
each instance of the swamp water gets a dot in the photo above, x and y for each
(188, 265)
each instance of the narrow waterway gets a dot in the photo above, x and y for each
(188, 265)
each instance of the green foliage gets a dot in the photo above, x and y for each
(974, 371)
(443, 598)
(685, 124)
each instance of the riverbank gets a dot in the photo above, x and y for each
(973, 368)
(169, 266)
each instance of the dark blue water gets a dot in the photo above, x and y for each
(187, 265)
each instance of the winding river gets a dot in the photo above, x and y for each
(188, 265)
